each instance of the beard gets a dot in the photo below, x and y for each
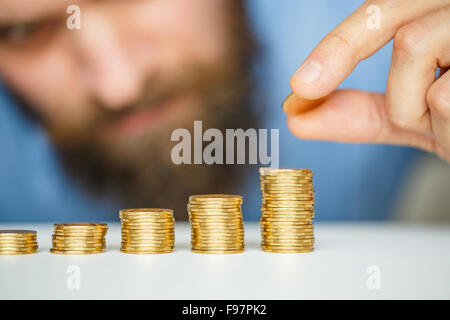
(138, 171)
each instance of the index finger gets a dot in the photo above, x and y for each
(353, 40)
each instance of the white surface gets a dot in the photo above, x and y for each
(414, 263)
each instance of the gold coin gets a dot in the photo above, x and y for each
(274, 193)
(78, 236)
(150, 228)
(288, 250)
(280, 221)
(290, 245)
(17, 252)
(154, 229)
(266, 174)
(277, 178)
(215, 245)
(82, 225)
(18, 248)
(128, 244)
(149, 217)
(212, 210)
(286, 233)
(80, 231)
(286, 240)
(148, 236)
(304, 217)
(13, 232)
(207, 197)
(170, 220)
(217, 237)
(286, 182)
(216, 222)
(80, 245)
(288, 196)
(214, 204)
(279, 211)
(147, 239)
(288, 210)
(302, 224)
(265, 171)
(287, 187)
(77, 247)
(153, 243)
(214, 229)
(58, 251)
(151, 211)
(148, 220)
(148, 231)
(218, 217)
(18, 241)
(217, 251)
(217, 231)
(144, 232)
(132, 251)
(217, 226)
(68, 241)
(147, 249)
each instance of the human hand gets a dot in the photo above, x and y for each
(415, 110)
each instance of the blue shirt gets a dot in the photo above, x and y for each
(351, 181)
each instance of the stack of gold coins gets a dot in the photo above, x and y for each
(79, 238)
(216, 223)
(287, 210)
(18, 241)
(147, 230)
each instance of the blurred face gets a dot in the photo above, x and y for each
(111, 92)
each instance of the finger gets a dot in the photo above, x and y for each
(294, 104)
(339, 52)
(438, 98)
(419, 49)
(356, 117)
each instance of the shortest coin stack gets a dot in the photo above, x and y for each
(287, 210)
(18, 241)
(79, 238)
(216, 223)
(147, 230)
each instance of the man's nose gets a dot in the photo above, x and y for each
(111, 76)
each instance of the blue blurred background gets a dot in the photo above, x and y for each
(352, 182)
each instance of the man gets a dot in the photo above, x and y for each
(110, 93)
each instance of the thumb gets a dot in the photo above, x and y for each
(356, 117)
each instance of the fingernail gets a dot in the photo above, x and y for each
(286, 99)
(309, 72)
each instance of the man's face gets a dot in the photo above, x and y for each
(117, 87)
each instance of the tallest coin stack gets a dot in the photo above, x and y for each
(287, 210)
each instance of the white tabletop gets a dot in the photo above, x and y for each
(411, 261)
